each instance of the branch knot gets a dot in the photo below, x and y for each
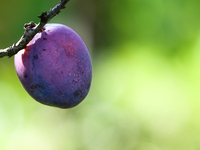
(29, 25)
(43, 17)
(31, 29)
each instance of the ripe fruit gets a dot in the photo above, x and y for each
(55, 67)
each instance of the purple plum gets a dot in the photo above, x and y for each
(55, 67)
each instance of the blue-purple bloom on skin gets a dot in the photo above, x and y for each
(55, 68)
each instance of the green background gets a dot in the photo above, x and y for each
(145, 92)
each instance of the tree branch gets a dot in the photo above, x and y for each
(31, 29)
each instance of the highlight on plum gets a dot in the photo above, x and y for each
(55, 67)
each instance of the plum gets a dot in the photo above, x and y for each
(55, 67)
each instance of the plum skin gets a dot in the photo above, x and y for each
(55, 67)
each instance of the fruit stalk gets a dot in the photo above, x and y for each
(31, 30)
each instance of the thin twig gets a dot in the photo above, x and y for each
(31, 29)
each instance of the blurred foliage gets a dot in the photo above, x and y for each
(146, 78)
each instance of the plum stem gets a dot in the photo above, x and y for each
(31, 29)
